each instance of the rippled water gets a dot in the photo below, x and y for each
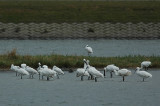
(100, 47)
(70, 91)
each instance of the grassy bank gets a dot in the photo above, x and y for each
(74, 61)
(79, 11)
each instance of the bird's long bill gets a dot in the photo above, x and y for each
(85, 62)
(86, 68)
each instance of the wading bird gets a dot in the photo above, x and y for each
(123, 73)
(22, 72)
(81, 71)
(89, 50)
(58, 71)
(40, 69)
(48, 73)
(111, 69)
(23, 65)
(13, 68)
(145, 65)
(31, 71)
(94, 72)
(143, 74)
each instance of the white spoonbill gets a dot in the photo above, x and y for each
(81, 71)
(143, 74)
(31, 71)
(145, 64)
(89, 50)
(111, 69)
(39, 66)
(23, 65)
(13, 68)
(48, 73)
(40, 69)
(22, 71)
(58, 70)
(122, 72)
(86, 62)
(94, 72)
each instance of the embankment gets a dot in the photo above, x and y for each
(80, 30)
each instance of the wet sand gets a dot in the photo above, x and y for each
(70, 91)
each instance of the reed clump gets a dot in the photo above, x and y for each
(75, 61)
(12, 54)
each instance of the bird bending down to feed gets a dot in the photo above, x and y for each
(22, 71)
(145, 65)
(111, 69)
(58, 71)
(94, 72)
(48, 73)
(143, 74)
(89, 50)
(31, 71)
(123, 73)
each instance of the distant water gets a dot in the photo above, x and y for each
(100, 47)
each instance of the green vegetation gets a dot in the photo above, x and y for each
(79, 11)
(74, 61)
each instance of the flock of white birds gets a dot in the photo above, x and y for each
(91, 72)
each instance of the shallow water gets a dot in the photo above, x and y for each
(100, 47)
(70, 91)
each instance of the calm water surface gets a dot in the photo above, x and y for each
(76, 47)
(70, 91)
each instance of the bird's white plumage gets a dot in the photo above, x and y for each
(93, 71)
(22, 71)
(23, 65)
(31, 70)
(82, 71)
(58, 70)
(14, 68)
(19, 70)
(44, 66)
(110, 68)
(39, 68)
(143, 74)
(145, 64)
(47, 72)
(89, 50)
(122, 72)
